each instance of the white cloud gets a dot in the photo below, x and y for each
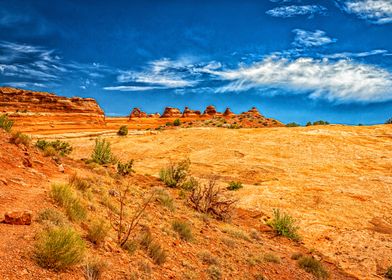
(294, 10)
(305, 38)
(359, 54)
(131, 88)
(340, 81)
(376, 11)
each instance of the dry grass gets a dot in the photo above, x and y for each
(183, 229)
(313, 266)
(97, 231)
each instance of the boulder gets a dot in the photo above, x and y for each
(18, 217)
(171, 112)
(137, 113)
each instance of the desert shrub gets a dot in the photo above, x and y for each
(59, 248)
(53, 216)
(207, 258)
(320, 123)
(308, 123)
(388, 273)
(97, 231)
(271, 258)
(165, 199)
(93, 269)
(292, 124)
(123, 131)
(50, 152)
(284, 225)
(6, 123)
(102, 153)
(175, 175)
(50, 147)
(130, 246)
(190, 184)
(296, 256)
(125, 169)
(79, 183)
(233, 186)
(210, 200)
(20, 138)
(236, 233)
(214, 272)
(64, 196)
(169, 124)
(313, 266)
(177, 122)
(183, 229)
(389, 121)
(153, 248)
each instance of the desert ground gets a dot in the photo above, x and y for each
(335, 180)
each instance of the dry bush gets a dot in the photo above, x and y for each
(97, 231)
(311, 265)
(52, 216)
(79, 183)
(209, 199)
(20, 138)
(118, 221)
(271, 258)
(65, 197)
(59, 248)
(388, 273)
(175, 175)
(93, 269)
(214, 272)
(6, 123)
(153, 248)
(125, 169)
(165, 199)
(207, 258)
(183, 229)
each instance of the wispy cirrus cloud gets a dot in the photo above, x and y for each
(341, 81)
(297, 10)
(316, 38)
(358, 54)
(375, 11)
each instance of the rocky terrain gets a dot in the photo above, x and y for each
(34, 109)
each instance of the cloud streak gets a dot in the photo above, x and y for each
(295, 10)
(375, 11)
(308, 39)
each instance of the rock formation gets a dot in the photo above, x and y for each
(188, 113)
(210, 111)
(171, 112)
(252, 112)
(228, 112)
(156, 115)
(31, 107)
(137, 113)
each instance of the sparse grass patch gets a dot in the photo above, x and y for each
(52, 216)
(20, 138)
(214, 272)
(93, 269)
(236, 233)
(64, 196)
(234, 185)
(292, 124)
(79, 183)
(207, 258)
(54, 147)
(165, 199)
(296, 256)
(183, 229)
(284, 225)
(271, 258)
(125, 169)
(154, 249)
(313, 266)
(175, 175)
(6, 123)
(102, 153)
(59, 248)
(131, 246)
(229, 242)
(97, 231)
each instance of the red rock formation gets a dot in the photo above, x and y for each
(156, 115)
(18, 217)
(171, 112)
(210, 111)
(254, 112)
(31, 106)
(228, 112)
(137, 113)
(187, 113)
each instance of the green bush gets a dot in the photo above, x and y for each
(175, 175)
(313, 266)
(123, 131)
(20, 138)
(388, 273)
(292, 124)
(125, 169)
(183, 229)
(50, 147)
(233, 186)
(64, 196)
(177, 122)
(53, 216)
(320, 123)
(97, 231)
(284, 225)
(59, 248)
(6, 123)
(102, 153)
(308, 123)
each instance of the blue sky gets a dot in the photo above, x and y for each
(296, 60)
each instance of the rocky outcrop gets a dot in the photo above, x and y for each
(228, 113)
(188, 113)
(156, 115)
(252, 112)
(18, 218)
(210, 111)
(137, 113)
(171, 112)
(32, 107)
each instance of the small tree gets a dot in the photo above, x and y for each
(123, 131)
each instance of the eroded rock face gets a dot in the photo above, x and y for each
(18, 217)
(210, 111)
(253, 112)
(137, 113)
(156, 115)
(32, 106)
(188, 113)
(228, 112)
(171, 112)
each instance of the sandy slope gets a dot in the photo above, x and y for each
(336, 180)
